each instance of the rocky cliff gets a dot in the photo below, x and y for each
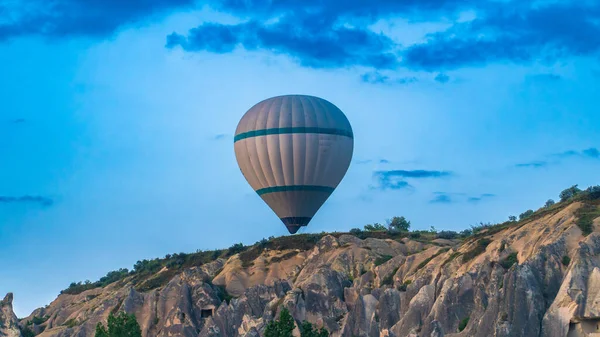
(536, 277)
(9, 324)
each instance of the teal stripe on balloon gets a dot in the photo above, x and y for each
(311, 188)
(300, 129)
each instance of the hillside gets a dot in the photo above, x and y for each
(538, 276)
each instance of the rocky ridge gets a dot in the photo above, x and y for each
(536, 277)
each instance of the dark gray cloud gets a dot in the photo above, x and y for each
(307, 37)
(27, 199)
(335, 33)
(441, 199)
(535, 164)
(376, 77)
(448, 197)
(396, 179)
(480, 197)
(73, 18)
(547, 77)
(591, 152)
(513, 31)
(442, 78)
(417, 174)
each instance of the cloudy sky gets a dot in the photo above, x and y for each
(117, 119)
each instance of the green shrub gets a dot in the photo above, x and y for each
(451, 258)
(463, 324)
(309, 330)
(70, 323)
(281, 327)
(569, 193)
(566, 260)
(427, 260)
(389, 279)
(120, 325)
(398, 224)
(509, 261)
(26, 332)
(585, 218)
(376, 227)
(382, 259)
(526, 214)
(404, 285)
(479, 248)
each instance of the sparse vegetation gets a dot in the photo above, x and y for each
(448, 235)
(427, 260)
(509, 261)
(404, 285)
(376, 227)
(585, 218)
(382, 259)
(526, 214)
(70, 323)
(26, 331)
(284, 326)
(566, 260)
(479, 248)
(389, 279)
(39, 320)
(451, 258)
(463, 324)
(120, 325)
(309, 330)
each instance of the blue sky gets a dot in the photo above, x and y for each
(116, 123)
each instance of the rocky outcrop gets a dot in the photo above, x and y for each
(539, 277)
(9, 324)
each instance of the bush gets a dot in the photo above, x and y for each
(479, 248)
(382, 259)
(120, 325)
(375, 228)
(549, 203)
(25, 331)
(235, 249)
(308, 330)
(427, 260)
(569, 193)
(512, 218)
(414, 235)
(355, 231)
(282, 327)
(448, 235)
(398, 224)
(404, 285)
(509, 261)
(585, 218)
(463, 324)
(389, 279)
(566, 260)
(526, 214)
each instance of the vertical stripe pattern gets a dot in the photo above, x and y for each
(294, 150)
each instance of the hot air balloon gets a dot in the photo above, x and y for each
(294, 150)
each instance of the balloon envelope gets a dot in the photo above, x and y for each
(294, 150)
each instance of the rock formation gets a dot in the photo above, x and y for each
(536, 277)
